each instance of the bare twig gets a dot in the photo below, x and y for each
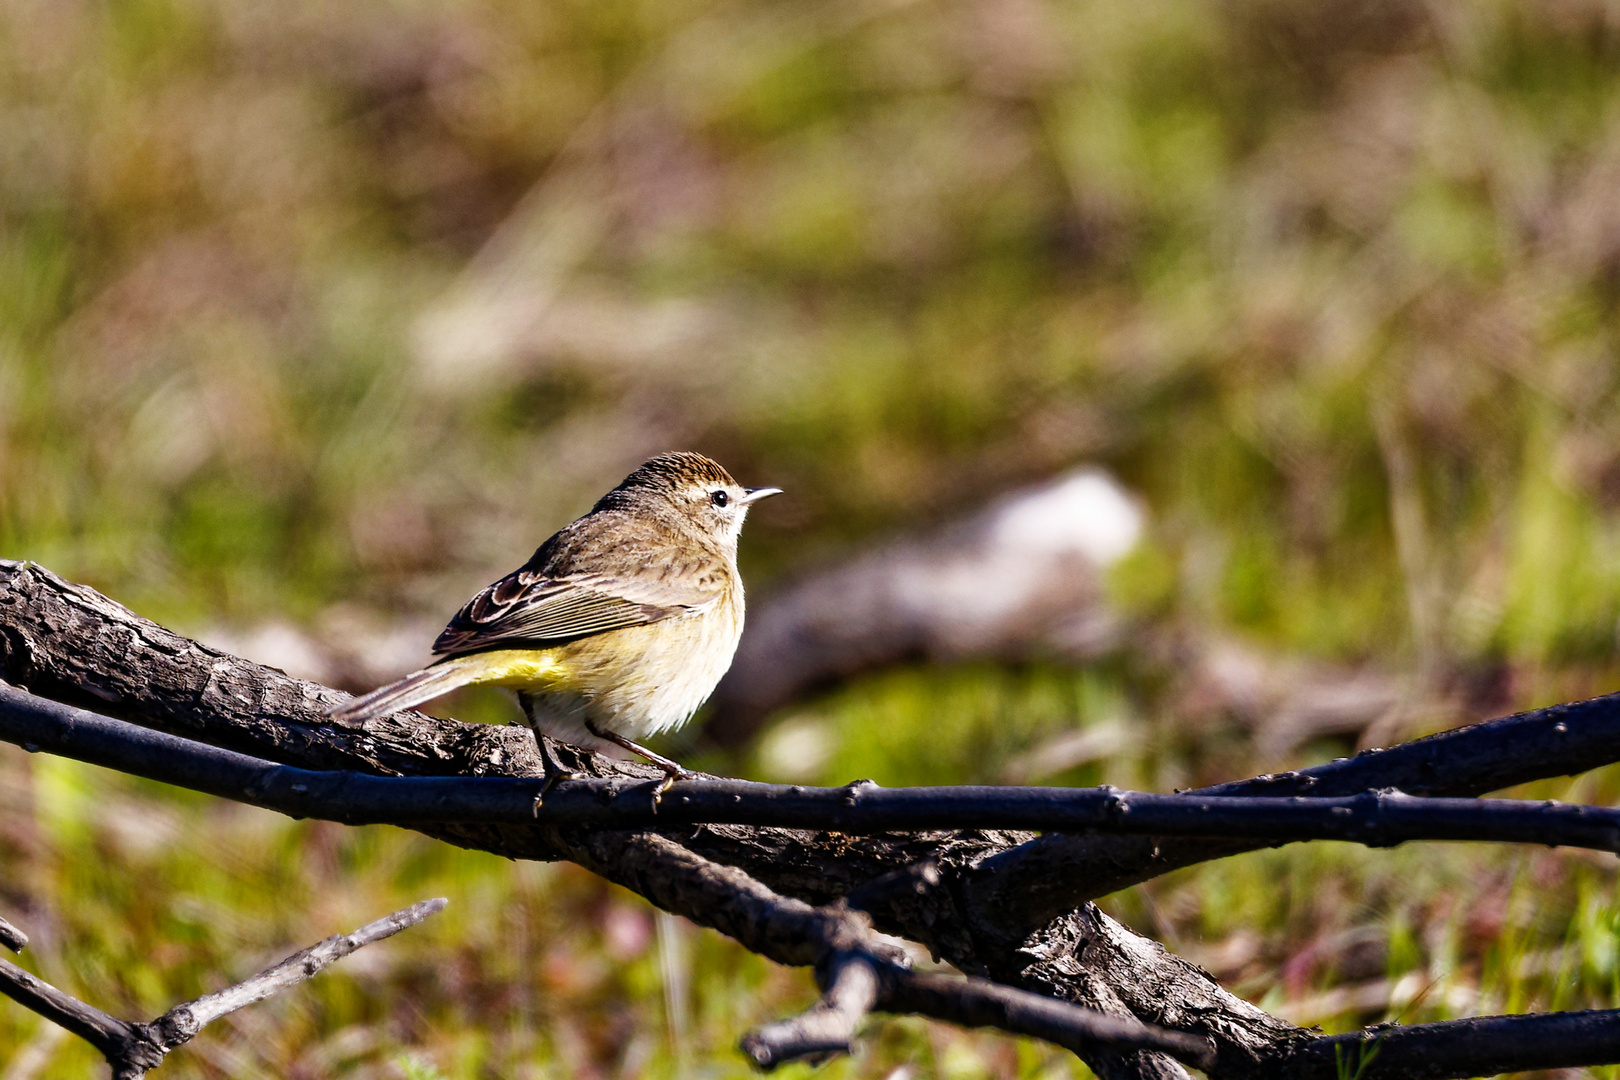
(118, 1040)
(133, 1048)
(858, 986)
(827, 1028)
(981, 1003)
(182, 1022)
(12, 938)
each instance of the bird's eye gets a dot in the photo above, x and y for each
(719, 498)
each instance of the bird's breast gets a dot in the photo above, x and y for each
(641, 680)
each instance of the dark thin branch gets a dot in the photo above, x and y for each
(108, 1034)
(858, 986)
(12, 938)
(133, 1048)
(1452, 1049)
(981, 1003)
(1378, 818)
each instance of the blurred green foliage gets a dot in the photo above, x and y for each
(306, 307)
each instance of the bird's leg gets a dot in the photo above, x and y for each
(673, 770)
(555, 773)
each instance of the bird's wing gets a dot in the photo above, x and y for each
(528, 608)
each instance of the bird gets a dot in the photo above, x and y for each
(619, 626)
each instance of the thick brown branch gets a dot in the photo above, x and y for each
(71, 644)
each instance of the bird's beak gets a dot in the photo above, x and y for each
(753, 495)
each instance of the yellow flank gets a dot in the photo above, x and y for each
(521, 669)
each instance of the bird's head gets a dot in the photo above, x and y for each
(702, 492)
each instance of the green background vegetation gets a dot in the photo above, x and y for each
(1331, 284)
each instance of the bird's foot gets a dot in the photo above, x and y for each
(673, 770)
(672, 773)
(552, 780)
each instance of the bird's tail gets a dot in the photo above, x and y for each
(409, 692)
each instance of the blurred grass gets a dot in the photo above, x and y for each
(305, 306)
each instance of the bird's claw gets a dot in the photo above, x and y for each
(551, 781)
(671, 775)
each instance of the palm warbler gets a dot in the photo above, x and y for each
(620, 625)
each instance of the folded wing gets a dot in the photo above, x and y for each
(527, 609)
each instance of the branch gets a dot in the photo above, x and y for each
(118, 1040)
(133, 1048)
(1027, 887)
(1479, 1046)
(838, 941)
(79, 645)
(180, 1023)
(1374, 818)
(827, 1028)
(981, 1003)
(70, 643)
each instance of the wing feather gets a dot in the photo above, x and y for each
(528, 608)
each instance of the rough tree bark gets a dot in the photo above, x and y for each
(999, 905)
